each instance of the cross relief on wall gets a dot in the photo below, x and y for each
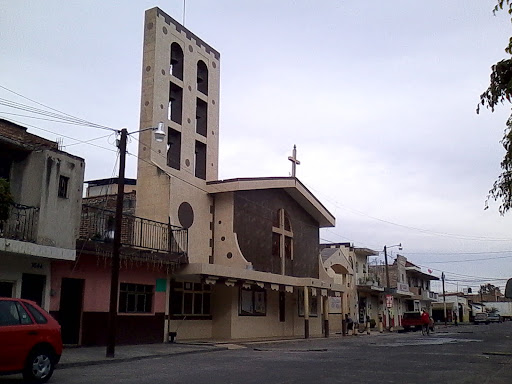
(282, 238)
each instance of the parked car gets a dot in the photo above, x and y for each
(494, 317)
(412, 320)
(30, 340)
(481, 317)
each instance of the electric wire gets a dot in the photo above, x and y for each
(56, 110)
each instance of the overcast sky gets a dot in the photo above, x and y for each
(379, 98)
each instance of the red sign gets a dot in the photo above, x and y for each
(389, 301)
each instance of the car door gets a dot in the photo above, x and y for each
(18, 333)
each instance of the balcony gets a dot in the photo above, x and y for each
(21, 224)
(423, 294)
(140, 238)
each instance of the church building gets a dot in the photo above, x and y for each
(254, 266)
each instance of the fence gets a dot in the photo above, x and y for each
(21, 223)
(99, 225)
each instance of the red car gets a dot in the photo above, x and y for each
(30, 340)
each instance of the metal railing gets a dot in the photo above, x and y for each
(99, 225)
(21, 223)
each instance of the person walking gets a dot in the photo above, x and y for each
(425, 322)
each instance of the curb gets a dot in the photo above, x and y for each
(133, 358)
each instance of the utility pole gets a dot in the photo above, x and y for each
(114, 279)
(444, 300)
(387, 281)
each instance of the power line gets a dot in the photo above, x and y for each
(77, 119)
(422, 230)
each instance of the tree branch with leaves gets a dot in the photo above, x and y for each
(500, 91)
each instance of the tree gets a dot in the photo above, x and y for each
(499, 91)
(5, 199)
(489, 289)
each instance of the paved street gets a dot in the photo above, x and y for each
(464, 354)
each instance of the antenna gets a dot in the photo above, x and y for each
(184, 8)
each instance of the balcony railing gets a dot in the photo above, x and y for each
(98, 224)
(21, 224)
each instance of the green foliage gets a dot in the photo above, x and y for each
(5, 199)
(489, 289)
(499, 91)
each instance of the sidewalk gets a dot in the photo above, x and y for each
(81, 356)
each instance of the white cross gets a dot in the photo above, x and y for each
(294, 160)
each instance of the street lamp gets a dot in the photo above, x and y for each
(114, 279)
(387, 274)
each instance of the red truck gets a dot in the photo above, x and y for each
(412, 320)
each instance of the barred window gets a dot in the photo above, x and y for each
(191, 300)
(135, 298)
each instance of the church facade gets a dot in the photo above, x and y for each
(253, 243)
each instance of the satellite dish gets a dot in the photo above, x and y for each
(508, 289)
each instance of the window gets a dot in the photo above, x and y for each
(63, 186)
(176, 64)
(174, 149)
(253, 302)
(313, 304)
(6, 288)
(202, 77)
(175, 109)
(191, 300)
(200, 160)
(201, 117)
(135, 298)
(282, 240)
(12, 313)
(38, 316)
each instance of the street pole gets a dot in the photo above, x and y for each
(444, 300)
(114, 279)
(387, 281)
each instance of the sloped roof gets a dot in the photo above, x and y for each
(17, 136)
(327, 252)
(290, 185)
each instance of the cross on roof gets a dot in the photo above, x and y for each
(294, 160)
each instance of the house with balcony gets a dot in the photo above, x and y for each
(409, 289)
(150, 252)
(43, 222)
(419, 285)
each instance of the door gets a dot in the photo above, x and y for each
(6, 288)
(32, 287)
(70, 310)
(282, 306)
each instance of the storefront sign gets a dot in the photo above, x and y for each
(389, 301)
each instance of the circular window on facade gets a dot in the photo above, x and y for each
(186, 215)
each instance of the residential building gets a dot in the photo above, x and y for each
(149, 252)
(409, 289)
(42, 226)
(338, 261)
(457, 306)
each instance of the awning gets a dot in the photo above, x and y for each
(213, 273)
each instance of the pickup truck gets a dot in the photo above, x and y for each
(412, 320)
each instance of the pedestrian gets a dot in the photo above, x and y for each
(425, 320)
(349, 321)
(455, 318)
(367, 325)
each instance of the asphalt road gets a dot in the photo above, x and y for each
(464, 354)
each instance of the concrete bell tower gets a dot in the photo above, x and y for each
(180, 87)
